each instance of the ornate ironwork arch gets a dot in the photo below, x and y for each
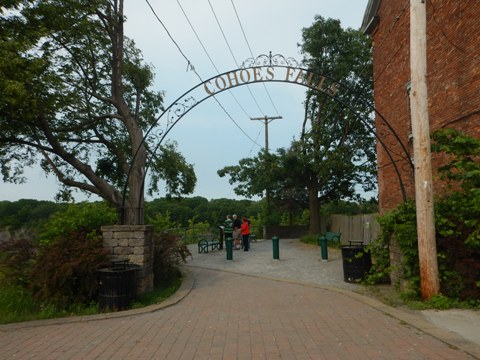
(262, 69)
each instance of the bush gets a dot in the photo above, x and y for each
(457, 223)
(85, 217)
(62, 273)
(169, 253)
(16, 261)
(65, 272)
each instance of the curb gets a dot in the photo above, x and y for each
(185, 288)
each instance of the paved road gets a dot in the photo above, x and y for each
(249, 309)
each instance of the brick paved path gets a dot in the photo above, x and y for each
(232, 316)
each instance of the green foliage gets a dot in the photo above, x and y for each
(336, 150)
(60, 269)
(457, 224)
(213, 212)
(178, 175)
(463, 169)
(61, 274)
(16, 304)
(169, 253)
(77, 96)
(162, 222)
(78, 217)
(25, 213)
(397, 226)
(16, 261)
(158, 294)
(310, 239)
(64, 272)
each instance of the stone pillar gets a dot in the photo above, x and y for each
(135, 244)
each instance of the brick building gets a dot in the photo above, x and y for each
(453, 76)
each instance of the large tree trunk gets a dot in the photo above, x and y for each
(132, 212)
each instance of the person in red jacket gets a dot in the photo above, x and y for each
(245, 228)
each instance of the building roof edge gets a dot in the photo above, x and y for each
(370, 18)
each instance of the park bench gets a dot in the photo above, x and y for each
(206, 244)
(329, 236)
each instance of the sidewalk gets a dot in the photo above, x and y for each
(251, 307)
(301, 264)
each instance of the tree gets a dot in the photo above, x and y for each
(270, 171)
(76, 97)
(336, 150)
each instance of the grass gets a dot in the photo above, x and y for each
(17, 304)
(313, 240)
(158, 295)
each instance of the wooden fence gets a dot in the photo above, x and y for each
(357, 227)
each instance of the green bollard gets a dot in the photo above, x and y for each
(276, 252)
(323, 244)
(229, 243)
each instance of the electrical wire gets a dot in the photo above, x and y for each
(196, 73)
(209, 57)
(234, 58)
(251, 54)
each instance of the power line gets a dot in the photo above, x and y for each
(251, 53)
(231, 52)
(169, 35)
(208, 55)
(196, 73)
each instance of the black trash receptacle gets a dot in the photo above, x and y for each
(357, 262)
(117, 286)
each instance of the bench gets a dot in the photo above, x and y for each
(329, 236)
(208, 244)
(253, 237)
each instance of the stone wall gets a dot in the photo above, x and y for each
(135, 244)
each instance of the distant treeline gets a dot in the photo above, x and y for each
(28, 213)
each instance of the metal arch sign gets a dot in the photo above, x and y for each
(264, 68)
(270, 73)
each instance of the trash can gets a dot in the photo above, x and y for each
(117, 285)
(357, 261)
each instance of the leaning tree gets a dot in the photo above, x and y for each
(77, 98)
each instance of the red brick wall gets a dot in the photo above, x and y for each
(453, 83)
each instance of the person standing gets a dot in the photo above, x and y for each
(228, 228)
(237, 231)
(245, 229)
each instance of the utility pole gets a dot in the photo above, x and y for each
(427, 248)
(266, 120)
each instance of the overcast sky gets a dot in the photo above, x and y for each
(209, 137)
